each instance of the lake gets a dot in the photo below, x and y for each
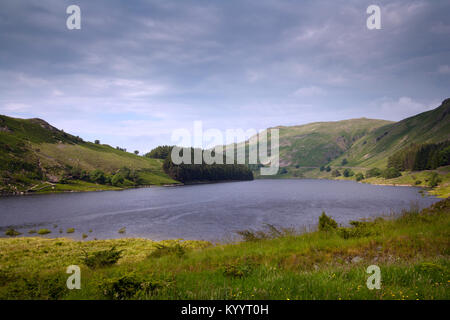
(204, 212)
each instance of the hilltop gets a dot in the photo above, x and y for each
(35, 156)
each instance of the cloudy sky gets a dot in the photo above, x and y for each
(137, 70)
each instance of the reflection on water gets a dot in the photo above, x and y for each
(209, 212)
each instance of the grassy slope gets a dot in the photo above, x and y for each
(40, 145)
(412, 251)
(374, 149)
(316, 143)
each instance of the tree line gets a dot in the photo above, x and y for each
(421, 157)
(199, 172)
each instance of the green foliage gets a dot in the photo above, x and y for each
(327, 223)
(421, 157)
(434, 180)
(374, 172)
(283, 171)
(240, 269)
(161, 152)
(328, 169)
(129, 286)
(44, 231)
(335, 173)
(46, 287)
(344, 161)
(70, 230)
(205, 172)
(163, 250)
(103, 258)
(390, 173)
(97, 176)
(122, 230)
(348, 173)
(12, 233)
(269, 232)
(359, 176)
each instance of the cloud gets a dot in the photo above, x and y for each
(444, 69)
(311, 91)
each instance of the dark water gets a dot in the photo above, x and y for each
(210, 211)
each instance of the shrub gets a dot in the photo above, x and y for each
(84, 235)
(359, 176)
(163, 250)
(122, 230)
(12, 233)
(374, 172)
(348, 173)
(44, 231)
(117, 180)
(344, 162)
(102, 258)
(328, 169)
(335, 173)
(326, 223)
(417, 182)
(128, 286)
(97, 176)
(434, 180)
(38, 287)
(70, 230)
(391, 173)
(271, 233)
(238, 270)
(32, 231)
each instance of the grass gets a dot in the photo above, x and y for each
(412, 249)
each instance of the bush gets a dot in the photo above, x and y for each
(44, 231)
(391, 173)
(434, 180)
(102, 258)
(326, 223)
(359, 176)
(417, 182)
(117, 180)
(374, 172)
(128, 286)
(335, 173)
(97, 176)
(344, 162)
(238, 270)
(70, 230)
(348, 173)
(271, 233)
(12, 233)
(328, 169)
(162, 250)
(122, 230)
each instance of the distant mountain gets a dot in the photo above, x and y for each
(318, 143)
(33, 151)
(374, 148)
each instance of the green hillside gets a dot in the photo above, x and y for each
(35, 156)
(318, 143)
(374, 148)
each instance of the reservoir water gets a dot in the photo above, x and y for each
(205, 212)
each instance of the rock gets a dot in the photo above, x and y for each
(356, 259)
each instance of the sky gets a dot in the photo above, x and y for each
(138, 70)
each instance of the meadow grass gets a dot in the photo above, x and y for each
(411, 248)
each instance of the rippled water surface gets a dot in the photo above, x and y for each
(209, 211)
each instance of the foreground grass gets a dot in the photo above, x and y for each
(412, 250)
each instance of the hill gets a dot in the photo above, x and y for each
(374, 148)
(318, 143)
(35, 156)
